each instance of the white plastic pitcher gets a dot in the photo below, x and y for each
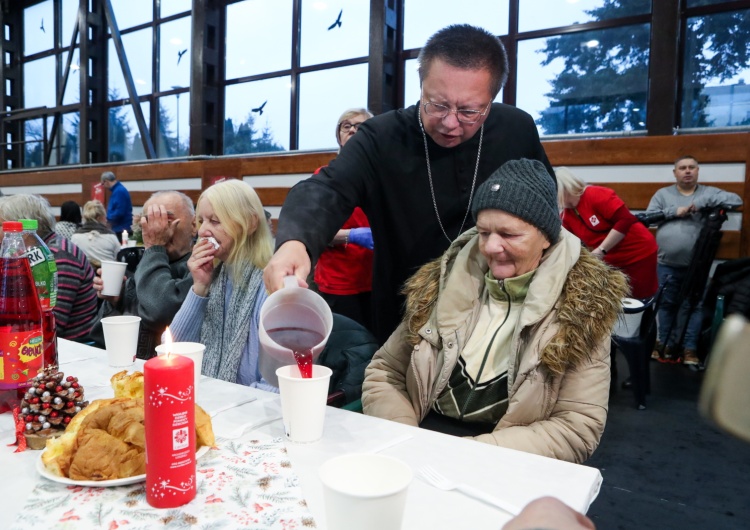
(290, 307)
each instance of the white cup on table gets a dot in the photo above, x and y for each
(112, 275)
(121, 339)
(193, 350)
(303, 402)
(365, 491)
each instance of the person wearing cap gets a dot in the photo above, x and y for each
(506, 337)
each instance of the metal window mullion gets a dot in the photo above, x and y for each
(135, 102)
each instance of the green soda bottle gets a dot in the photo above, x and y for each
(44, 270)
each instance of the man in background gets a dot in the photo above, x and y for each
(162, 279)
(676, 236)
(119, 207)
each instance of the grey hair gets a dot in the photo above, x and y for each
(109, 176)
(185, 199)
(350, 113)
(27, 206)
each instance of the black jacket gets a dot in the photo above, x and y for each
(383, 170)
(349, 349)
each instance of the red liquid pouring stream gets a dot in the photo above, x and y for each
(301, 341)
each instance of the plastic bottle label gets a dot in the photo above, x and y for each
(44, 270)
(21, 356)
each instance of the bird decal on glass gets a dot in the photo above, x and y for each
(42, 27)
(337, 23)
(259, 110)
(180, 54)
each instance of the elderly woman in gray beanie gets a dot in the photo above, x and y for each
(506, 336)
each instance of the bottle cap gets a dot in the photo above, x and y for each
(12, 226)
(29, 224)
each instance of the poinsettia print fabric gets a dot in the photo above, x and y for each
(248, 484)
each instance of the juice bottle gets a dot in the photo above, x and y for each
(44, 270)
(21, 339)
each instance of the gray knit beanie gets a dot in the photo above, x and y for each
(525, 189)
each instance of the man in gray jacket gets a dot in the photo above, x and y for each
(676, 236)
(162, 279)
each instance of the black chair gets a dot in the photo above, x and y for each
(637, 349)
(349, 349)
(132, 256)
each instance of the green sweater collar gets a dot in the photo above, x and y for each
(513, 288)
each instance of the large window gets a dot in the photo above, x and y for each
(587, 82)
(290, 67)
(715, 77)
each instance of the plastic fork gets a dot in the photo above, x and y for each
(434, 478)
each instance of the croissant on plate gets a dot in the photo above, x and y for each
(106, 440)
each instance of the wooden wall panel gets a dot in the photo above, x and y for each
(645, 150)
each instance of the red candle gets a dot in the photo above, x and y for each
(170, 431)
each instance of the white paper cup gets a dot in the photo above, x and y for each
(365, 491)
(121, 339)
(303, 402)
(132, 243)
(193, 350)
(112, 275)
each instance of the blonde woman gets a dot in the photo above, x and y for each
(222, 309)
(94, 237)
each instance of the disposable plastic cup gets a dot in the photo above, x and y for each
(193, 350)
(121, 339)
(303, 402)
(112, 275)
(365, 491)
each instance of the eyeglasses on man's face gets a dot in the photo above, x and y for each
(467, 116)
(346, 126)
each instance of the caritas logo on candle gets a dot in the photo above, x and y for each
(181, 436)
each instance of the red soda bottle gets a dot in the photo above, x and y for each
(21, 338)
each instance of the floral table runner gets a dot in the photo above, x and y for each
(248, 484)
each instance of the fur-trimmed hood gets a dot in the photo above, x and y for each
(585, 293)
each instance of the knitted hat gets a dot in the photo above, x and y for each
(525, 189)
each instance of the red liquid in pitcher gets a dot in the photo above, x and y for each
(301, 341)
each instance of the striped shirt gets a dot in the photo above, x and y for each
(76, 307)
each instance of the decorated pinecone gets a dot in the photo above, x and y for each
(49, 405)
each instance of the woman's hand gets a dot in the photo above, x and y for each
(201, 266)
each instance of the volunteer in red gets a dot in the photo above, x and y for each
(606, 226)
(344, 270)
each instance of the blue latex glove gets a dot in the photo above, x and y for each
(361, 237)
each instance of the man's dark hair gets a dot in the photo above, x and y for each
(467, 47)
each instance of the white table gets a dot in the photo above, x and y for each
(512, 475)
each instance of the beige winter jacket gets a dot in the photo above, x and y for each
(558, 377)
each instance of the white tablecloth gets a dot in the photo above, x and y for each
(514, 476)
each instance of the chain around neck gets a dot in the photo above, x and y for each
(432, 188)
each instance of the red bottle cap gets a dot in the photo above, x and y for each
(12, 226)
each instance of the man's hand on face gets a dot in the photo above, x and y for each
(157, 227)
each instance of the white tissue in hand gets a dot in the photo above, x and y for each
(212, 241)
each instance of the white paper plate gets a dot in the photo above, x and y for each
(42, 470)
